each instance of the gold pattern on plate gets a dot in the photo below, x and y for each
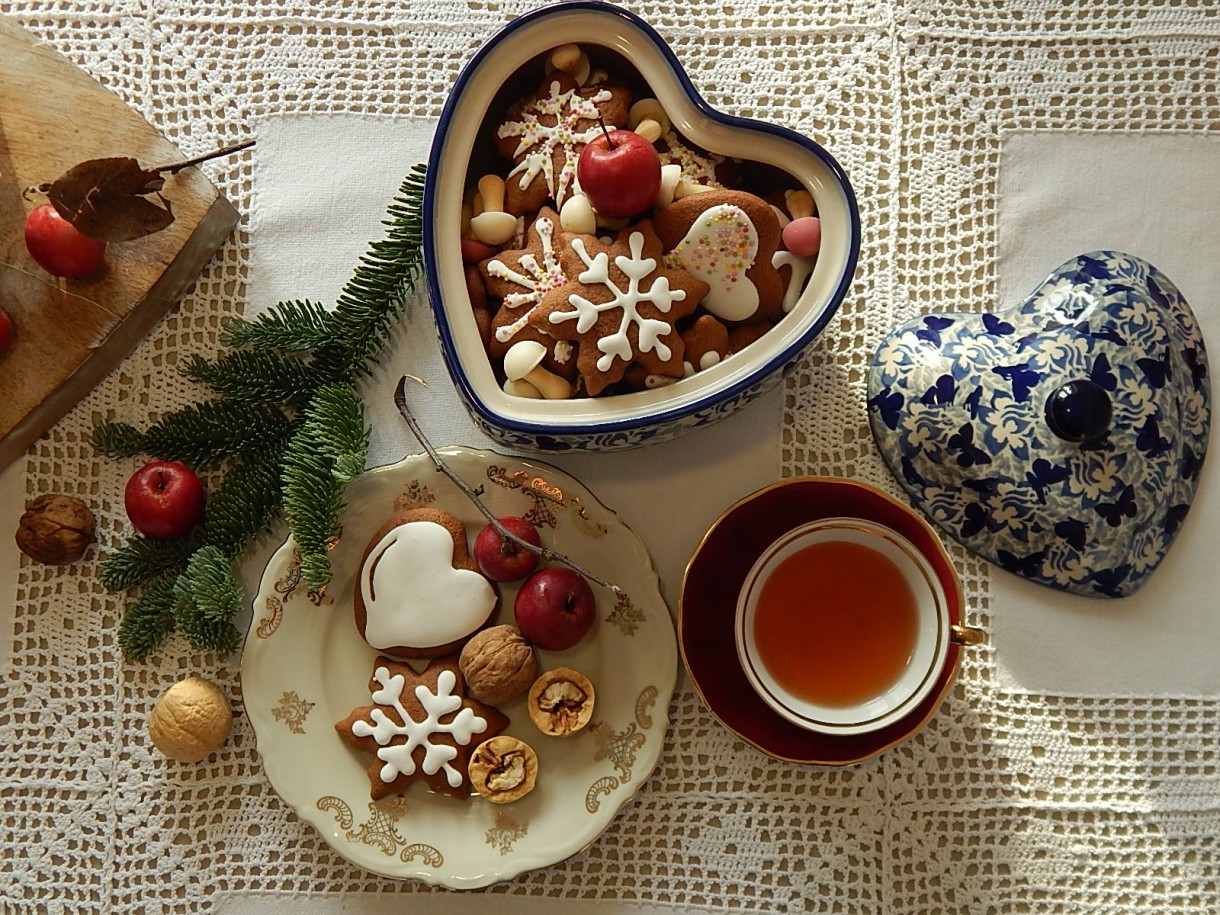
(380, 830)
(646, 700)
(620, 748)
(506, 832)
(286, 588)
(545, 497)
(603, 787)
(416, 495)
(293, 710)
(626, 616)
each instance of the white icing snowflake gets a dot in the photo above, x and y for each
(635, 268)
(397, 756)
(540, 141)
(536, 279)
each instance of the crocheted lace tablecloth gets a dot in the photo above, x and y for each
(1008, 802)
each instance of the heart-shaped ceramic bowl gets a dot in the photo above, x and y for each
(1062, 439)
(509, 67)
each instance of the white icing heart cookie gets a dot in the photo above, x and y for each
(726, 239)
(419, 592)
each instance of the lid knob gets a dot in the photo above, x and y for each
(1079, 411)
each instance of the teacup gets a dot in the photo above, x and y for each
(842, 626)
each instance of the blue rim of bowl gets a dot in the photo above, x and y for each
(777, 363)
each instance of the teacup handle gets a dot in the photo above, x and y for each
(967, 635)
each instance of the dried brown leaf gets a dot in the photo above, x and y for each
(109, 199)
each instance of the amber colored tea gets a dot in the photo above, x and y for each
(836, 623)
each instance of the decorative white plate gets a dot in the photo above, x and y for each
(306, 667)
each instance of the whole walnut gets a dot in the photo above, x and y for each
(498, 665)
(191, 720)
(55, 529)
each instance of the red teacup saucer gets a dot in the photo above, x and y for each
(707, 607)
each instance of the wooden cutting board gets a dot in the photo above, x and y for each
(70, 333)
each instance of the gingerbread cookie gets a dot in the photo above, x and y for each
(520, 278)
(419, 593)
(726, 239)
(622, 304)
(744, 334)
(706, 343)
(419, 726)
(545, 133)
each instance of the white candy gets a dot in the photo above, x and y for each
(576, 215)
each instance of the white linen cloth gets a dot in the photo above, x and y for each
(1154, 196)
(1011, 800)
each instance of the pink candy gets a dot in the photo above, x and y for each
(803, 236)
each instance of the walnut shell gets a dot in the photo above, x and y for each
(561, 702)
(191, 720)
(503, 769)
(55, 529)
(498, 665)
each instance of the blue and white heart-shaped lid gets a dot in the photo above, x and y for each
(1062, 439)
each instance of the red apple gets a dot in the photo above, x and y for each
(555, 608)
(620, 172)
(6, 330)
(58, 247)
(164, 500)
(501, 559)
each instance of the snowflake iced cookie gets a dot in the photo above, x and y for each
(622, 303)
(419, 726)
(419, 592)
(545, 133)
(726, 239)
(519, 279)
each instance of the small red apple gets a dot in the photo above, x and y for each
(6, 330)
(620, 172)
(164, 500)
(58, 247)
(555, 608)
(499, 558)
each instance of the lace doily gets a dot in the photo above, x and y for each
(1007, 802)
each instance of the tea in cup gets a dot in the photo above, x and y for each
(842, 626)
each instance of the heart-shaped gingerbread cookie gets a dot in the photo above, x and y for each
(1062, 439)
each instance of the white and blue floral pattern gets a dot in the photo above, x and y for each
(959, 408)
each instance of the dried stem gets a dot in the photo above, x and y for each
(400, 401)
(206, 157)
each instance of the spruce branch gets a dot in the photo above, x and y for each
(118, 439)
(245, 503)
(150, 620)
(313, 502)
(206, 599)
(255, 376)
(214, 431)
(336, 418)
(143, 559)
(287, 426)
(295, 327)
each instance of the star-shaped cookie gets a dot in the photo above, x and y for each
(520, 278)
(622, 302)
(419, 726)
(545, 133)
